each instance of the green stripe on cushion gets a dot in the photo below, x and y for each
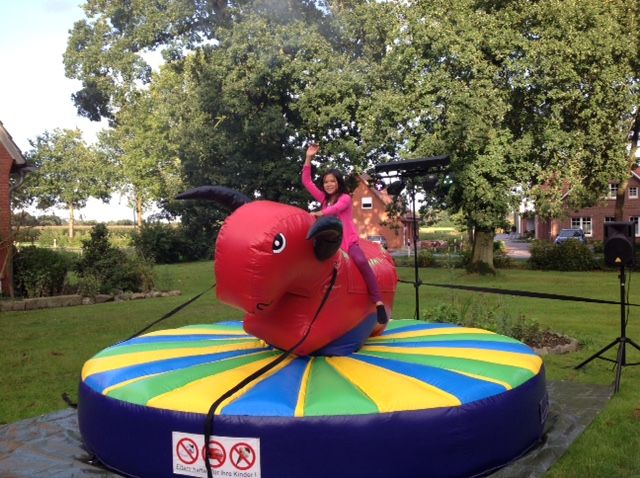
(329, 393)
(207, 341)
(514, 376)
(141, 391)
(448, 337)
(235, 326)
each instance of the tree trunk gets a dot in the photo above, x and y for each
(631, 165)
(72, 221)
(482, 256)
(470, 234)
(139, 209)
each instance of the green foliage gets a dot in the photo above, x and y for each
(598, 246)
(479, 313)
(110, 267)
(27, 234)
(41, 272)
(500, 258)
(68, 171)
(426, 259)
(567, 256)
(88, 285)
(167, 244)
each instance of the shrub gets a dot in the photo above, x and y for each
(597, 246)
(500, 257)
(41, 272)
(426, 259)
(568, 256)
(111, 268)
(167, 244)
(27, 234)
(477, 313)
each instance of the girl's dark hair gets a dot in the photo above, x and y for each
(342, 187)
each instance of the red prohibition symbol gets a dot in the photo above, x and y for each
(242, 456)
(187, 451)
(217, 454)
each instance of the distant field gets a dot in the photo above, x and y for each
(435, 233)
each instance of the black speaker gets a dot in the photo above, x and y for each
(619, 243)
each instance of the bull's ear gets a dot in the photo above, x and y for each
(326, 233)
(228, 198)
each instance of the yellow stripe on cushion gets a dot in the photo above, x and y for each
(104, 364)
(198, 396)
(110, 389)
(302, 395)
(430, 333)
(529, 362)
(195, 331)
(482, 377)
(391, 391)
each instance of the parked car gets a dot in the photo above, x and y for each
(378, 239)
(571, 235)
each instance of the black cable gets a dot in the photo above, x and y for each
(522, 293)
(67, 399)
(65, 395)
(208, 427)
(170, 313)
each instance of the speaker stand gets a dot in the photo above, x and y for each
(622, 340)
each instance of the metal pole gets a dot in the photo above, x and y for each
(621, 359)
(417, 280)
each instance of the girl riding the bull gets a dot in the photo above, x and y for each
(335, 201)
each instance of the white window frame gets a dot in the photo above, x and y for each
(636, 228)
(585, 223)
(366, 202)
(633, 192)
(609, 219)
(613, 190)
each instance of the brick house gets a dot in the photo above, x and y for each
(11, 162)
(369, 215)
(591, 219)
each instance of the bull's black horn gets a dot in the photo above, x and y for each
(326, 233)
(226, 197)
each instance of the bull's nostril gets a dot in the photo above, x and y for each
(262, 305)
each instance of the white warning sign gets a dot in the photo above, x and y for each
(235, 457)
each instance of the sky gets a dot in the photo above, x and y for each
(35, 96)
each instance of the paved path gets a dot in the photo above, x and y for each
(515, 249)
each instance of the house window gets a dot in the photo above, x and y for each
(633, 192)
(583, 223)
(613, 190)
(366, 203)
(609, 219)
(634, 220)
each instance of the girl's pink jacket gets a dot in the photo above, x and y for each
(342, 209)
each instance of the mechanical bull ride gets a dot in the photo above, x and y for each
(276, 262)
(416, 399)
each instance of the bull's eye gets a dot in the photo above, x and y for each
(279, 243)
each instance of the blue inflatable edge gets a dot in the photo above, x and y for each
(464, 441)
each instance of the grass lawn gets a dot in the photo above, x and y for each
(42, 351)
